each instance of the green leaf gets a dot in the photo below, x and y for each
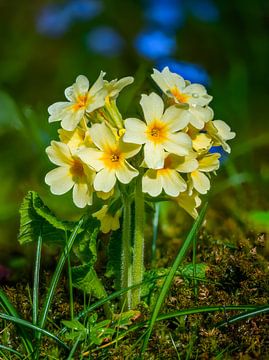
(9, 114)
(114, 258)
(85, 244)
(187, 271)
(85, 278)
(37, 218)
(74, 325)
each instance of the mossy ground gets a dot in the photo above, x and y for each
(237, 274)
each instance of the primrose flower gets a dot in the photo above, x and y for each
(71, 172)
(81, 100)
(108, 220)
(109, 158)
(115, 86)
(180, 90)
(168, 178)
(198, 180)
(160, 133)
(76, 138)
(220, 133)
(189, 203)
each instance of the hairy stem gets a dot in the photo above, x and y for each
(126, 249)
(138, 258)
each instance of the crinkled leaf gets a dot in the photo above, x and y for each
(36, 217)
(85, 245)
(74, 325)
(85, 278)
(114, 257)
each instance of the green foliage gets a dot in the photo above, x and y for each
(114, 259)
(94, 332)
(36, 218)
(85, 278)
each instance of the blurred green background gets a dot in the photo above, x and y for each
(46, 44)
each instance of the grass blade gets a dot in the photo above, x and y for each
(29, 325)
(6, 348)
(36, 279)
(74, 348)
(243, 316)
(9, 309)
(57, 274)
(167, 283)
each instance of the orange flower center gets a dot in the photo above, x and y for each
(157, 131)
(112, 159)
(77, 169)
(82, 101)
(182, 98)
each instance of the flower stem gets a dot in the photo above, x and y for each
(138, 258)
(126, 246)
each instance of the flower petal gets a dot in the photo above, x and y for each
(152, 106)
(135, 131)
(105, 180)
(179, 144)
(151, 183)
(102, 136)
(71, 118)
(172, 182)
(59, 180)
(129, 150)
(199, 116)
(92, 157)
(59, 153)
(126, 173)
(209, 162)
(98, 85)
(200, 182)
(154, 155)
(57, 110)
(82, 195)
(176, 118)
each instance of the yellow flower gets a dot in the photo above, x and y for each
(76, 138)
(115, 86)
(108, 220)
(70, 173)
(160, 132)
(189, 202)
(183, 92)
(81, 100)
(197, 179)
(168, 178)
(109, 158)
(220, 133)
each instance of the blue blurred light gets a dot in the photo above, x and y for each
(84, 9)
(192, 72)
(105, 40)
(168, 14)
(204, 10)
(53, 21)
(221, 151)
(155, 44)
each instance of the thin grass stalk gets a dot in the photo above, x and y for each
(57, 274)
(29, 325)
(126, 246)
(6, 348)
(36, 279)
(70, 284)
(169, 278)
(138, 252)
(195, 282)
(9, 309)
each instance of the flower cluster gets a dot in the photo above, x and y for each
(168, 145)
